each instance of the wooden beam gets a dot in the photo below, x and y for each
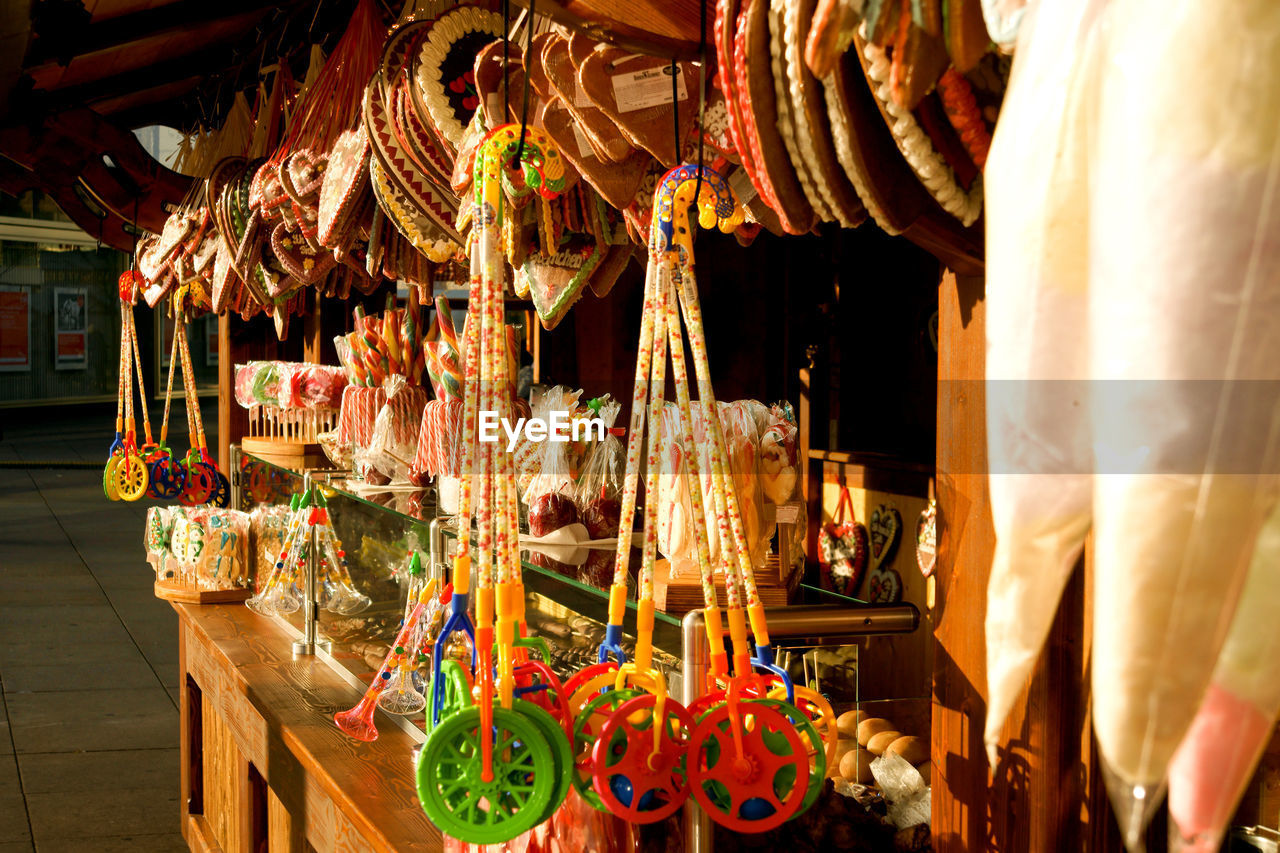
(1046, 793)
(184, 16)
(204, 60)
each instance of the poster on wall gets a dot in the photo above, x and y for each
(70, 328)
(15, 328)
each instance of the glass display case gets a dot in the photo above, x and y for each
(826, 642)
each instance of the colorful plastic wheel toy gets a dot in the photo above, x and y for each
(586, 729)
(453, 789)
(560, 752)
(130, 477)
(637, 779)
(815, 748)
(759, 787)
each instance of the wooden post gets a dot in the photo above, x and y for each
(1046, 793)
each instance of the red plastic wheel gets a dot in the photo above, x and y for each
(542, 687)
(635, 783)
(583, 676)
(762, 787)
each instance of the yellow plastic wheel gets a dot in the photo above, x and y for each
(131, 477)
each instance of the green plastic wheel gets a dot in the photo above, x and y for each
(560, 752)
(460, 802)
(817, 752)
(109, 478)
(584, 741)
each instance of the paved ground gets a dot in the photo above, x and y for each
(88, 657)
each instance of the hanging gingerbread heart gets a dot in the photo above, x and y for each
(842, 549)
(885, 528)
(885, 586)
(927, 538)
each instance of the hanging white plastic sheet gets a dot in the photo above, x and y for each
(1184, 340)
(1039, 455)
(1217, 757)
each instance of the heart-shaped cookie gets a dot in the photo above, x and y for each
(884, 587)
(927, 539)
(842, 553)
(885, 527)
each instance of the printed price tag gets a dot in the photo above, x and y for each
(584, 145)
(788, 514)
(649, 88)
(580, 98)
(741, 185)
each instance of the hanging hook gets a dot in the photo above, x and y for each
(524, 104)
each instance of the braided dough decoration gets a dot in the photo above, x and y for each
(813, 136)
(919, 152)
(801, 160)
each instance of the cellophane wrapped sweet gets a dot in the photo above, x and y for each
(360, 407)
(208, 548)
(312, 386)
(393, 442)
(598, 492)
(675, 509)
(268, 526)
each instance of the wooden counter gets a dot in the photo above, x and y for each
(263, 766)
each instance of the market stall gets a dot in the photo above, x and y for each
(630, 413)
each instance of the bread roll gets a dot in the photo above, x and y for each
(926, 770)
(843, 746)
(847, 723)
(880, 742)
(871, 727)
(855, 766)
(913, 749)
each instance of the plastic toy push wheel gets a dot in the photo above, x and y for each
(457, 797)
(750, 773)
(638, 778)
(586, 730)
(560, 752)
(815, 749)
(130, 475)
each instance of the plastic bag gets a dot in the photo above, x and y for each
(1184, 324)
(261, 383)
(393, 442)
(675, 509)
(438, 451)
(550, 493)
(598, 493)
(1216, 759)
(778, 474)
(1038, 446)
(268, 527)
(312, 386)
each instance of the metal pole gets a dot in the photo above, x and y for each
(311, 642)
(817, 624)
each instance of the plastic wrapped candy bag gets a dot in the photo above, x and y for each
(393, 441)
(1217, 757)
(675, 508)
(312, 386)
(1184, 326)
(598, 492)
(1036, 296)
(359, 410)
